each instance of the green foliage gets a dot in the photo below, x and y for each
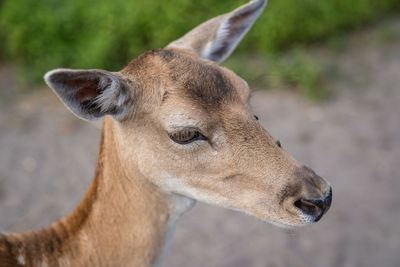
(45, 34)
(293, 69)
(299, 71)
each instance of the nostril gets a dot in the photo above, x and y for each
(319, 203)
(314, 207)
(310, 207)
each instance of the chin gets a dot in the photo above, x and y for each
(305, 220)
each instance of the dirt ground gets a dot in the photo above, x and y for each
(47, 160)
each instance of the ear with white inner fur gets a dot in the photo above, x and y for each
(90, 94)
(216, 39)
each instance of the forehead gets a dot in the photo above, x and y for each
(200, 80)
(196, 80)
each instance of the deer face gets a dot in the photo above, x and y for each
(183, 122)
(199, 139)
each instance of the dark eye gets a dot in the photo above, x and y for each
(256, 117)
(186, 136)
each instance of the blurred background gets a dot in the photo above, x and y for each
(326, 83)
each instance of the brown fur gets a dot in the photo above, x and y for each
(144, 181)
(247, 152)
(116, 207)
(126, 202)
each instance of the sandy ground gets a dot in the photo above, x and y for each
(47, 159)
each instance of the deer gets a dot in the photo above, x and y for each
(177, 128)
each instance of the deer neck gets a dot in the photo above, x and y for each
(121, 221)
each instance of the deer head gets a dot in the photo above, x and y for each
(182, 122)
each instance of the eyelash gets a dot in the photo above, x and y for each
(188, 136)
(192, 135)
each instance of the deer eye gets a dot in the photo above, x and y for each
(186, 136)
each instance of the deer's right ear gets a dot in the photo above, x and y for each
(90, 94)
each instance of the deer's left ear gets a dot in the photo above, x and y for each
(90, 94)
(216, 39)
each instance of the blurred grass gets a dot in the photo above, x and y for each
(44, 34)
(293, 69)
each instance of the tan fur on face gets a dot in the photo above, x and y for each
(239, 167)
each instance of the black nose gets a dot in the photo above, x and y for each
(315, 207)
